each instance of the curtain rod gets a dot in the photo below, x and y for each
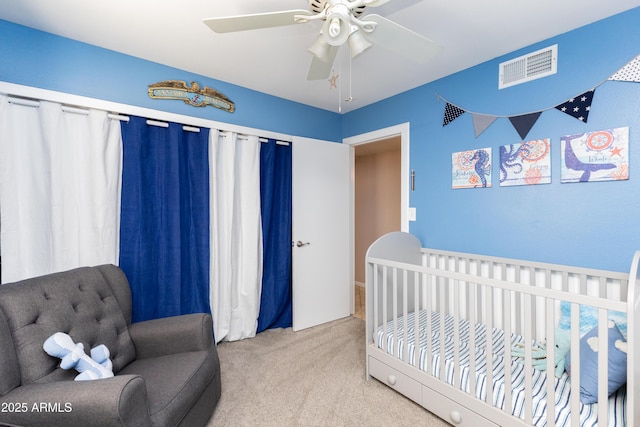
(23, 101)
(265, 140)
(120, 117)
(157, 123)
(75, 110)
(30, 96)
(27, 102)
(115, 116)
(260, 138)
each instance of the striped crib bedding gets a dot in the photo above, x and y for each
(588, 413)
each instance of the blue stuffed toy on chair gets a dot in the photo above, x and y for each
(73, 356)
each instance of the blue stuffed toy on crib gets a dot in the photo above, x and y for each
(539, 352)
(73, 356)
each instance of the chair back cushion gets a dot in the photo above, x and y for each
(80, 302)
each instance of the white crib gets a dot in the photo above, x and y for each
(480, 306)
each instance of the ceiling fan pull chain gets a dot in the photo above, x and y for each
(350, 98)
(340, 88)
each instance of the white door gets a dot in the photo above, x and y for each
(321, 231)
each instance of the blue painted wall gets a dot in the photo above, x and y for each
(34, 58)
(584, 224)
(589, 224)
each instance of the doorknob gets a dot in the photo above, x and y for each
(300, 244)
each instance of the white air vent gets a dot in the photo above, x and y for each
(535, 65)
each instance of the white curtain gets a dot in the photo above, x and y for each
(236, 235)
(60, 175)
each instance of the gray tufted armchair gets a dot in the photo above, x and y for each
(166, 370)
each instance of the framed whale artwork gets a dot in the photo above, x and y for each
(595, 156)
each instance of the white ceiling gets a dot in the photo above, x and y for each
(276, 61)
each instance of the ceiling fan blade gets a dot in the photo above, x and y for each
(320, 69)
(228, 24)
(401, 40)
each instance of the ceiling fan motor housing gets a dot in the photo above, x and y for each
(317, 6)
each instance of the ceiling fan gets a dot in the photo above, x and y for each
(342, 23)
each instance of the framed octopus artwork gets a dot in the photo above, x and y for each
(526, 163)
(471, 169)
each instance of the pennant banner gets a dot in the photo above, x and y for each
(628, 73)
(481, 122)
(451, 112)
(579, 106)
(524, 123)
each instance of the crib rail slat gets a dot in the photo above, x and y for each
(456, 336)
(394, 310)
(473, 317)
(508, 385)
(575, 365)
(441, 293)
(385, 286)
(373, 311)
(416, 318)
(603, 364)
(528, 362)
(551, 354)
(489, 344)
(405, 322)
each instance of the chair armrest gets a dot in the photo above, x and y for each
(171, 335)
(117, 401)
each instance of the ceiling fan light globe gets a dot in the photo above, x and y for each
(358, 44)
(321, 49)
(336, 29)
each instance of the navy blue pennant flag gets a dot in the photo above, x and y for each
(524, 123)
(451, 112)
(579, 106)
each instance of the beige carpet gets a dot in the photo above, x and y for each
(315, 377)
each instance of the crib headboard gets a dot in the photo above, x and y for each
(396, 246)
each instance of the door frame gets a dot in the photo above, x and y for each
(401, 130)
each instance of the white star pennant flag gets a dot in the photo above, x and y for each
(628, 73)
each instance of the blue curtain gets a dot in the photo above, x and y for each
(164, 224)
(275, 195)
